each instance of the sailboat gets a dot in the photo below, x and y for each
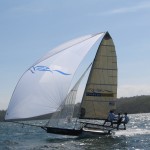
(75, 84)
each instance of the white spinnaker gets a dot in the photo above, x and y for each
(44, 86)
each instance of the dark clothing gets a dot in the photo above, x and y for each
(110, 118)
(119, 122)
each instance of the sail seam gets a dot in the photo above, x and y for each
(108, 45)
(102, 84)
(100, 101)
(107, 56)
(104, 69)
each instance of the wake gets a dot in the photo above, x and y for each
(132, 132)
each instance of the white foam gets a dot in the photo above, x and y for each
(131, 132)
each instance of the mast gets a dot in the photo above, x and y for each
(101, 88)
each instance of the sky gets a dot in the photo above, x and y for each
(30, 28)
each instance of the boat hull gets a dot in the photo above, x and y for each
(72, 132)
(90, 131)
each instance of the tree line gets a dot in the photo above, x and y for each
(134, 105)
(131, 105)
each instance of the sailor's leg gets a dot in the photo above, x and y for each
(124, 126)
(118, 126)
(118, 123)
(111, 124)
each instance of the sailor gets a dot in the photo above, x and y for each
(125, 121)
(119, 120)
(110, 118)
(118, 117)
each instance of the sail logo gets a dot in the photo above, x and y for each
(99, 93)
(45, 68)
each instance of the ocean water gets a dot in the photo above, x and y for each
(18, 137)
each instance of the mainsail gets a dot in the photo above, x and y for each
(101, 89)
(44, 87)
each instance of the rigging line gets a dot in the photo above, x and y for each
(68, 47)
(53, 97)
(56, 116)
(77, 85)
(58, 91)
(63, 103)
(72, 101)
(67, 101)
(46, 96)
(75, 92)
(49, 104)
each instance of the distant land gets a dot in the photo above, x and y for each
(134, 105)
(2, 114)
(131, 105)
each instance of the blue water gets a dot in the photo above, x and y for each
(137, 136)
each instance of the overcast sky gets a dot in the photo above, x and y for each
(30, 28)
